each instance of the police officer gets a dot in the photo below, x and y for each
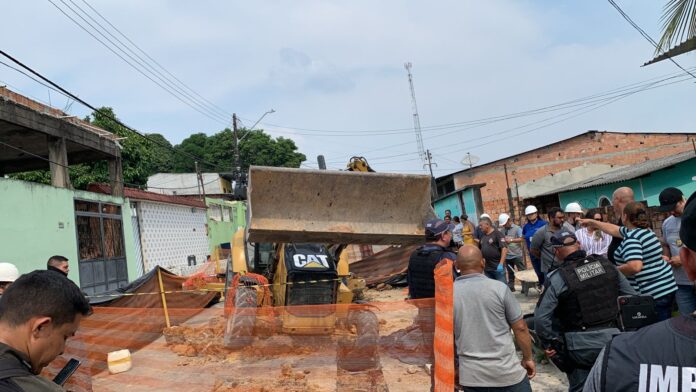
(577, 313)
(421, 283)
(659, 357)
(421, 279)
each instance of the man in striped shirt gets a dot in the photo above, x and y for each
(593, 242)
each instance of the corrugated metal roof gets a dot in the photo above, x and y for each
(686, 46)
(626, 172)
(138, 194)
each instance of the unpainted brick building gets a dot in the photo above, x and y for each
(536, 172)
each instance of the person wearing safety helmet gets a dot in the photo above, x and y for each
(573, 212)
(533, 224)
(513, 239)
(8, 274)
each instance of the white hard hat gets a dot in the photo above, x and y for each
(573, 207)
(8, 272)
(503, 218)
(530, 210)
(485, 216)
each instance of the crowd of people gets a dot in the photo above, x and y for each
(587, 268)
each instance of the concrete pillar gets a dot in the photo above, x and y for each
(116, 177)
(58, 157)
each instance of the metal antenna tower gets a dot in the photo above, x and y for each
(416, 119)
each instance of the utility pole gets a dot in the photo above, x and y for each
(416, 119)
(199, 181)
(433, 188)
(237, 168)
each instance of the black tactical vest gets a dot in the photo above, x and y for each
(656, 358)
(421, 282)
(590, 301)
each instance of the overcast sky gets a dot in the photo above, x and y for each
(334, 71)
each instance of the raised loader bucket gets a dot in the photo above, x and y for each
(298, 205)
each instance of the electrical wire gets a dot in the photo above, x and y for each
(107, 115)
(213, 105)
(169, 90)
(646, 36)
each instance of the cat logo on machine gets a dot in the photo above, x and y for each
(311, 261)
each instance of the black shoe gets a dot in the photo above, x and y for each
(512, 288)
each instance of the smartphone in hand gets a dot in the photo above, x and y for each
(66, 372)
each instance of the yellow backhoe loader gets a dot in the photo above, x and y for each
(298, 224)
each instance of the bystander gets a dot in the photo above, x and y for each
(541, 241)
(484, 345)
(593, 241)
(639, 257)
(672, 201)
(515, 256)
(38, 313)
(8, 274)
(58, 264)
(659, 357)
(494, 250)
(533, 224)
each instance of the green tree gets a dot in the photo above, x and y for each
(140, 158)
(259, 148)
(193, 145)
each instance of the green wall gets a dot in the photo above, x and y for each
(470, 204)
(38, 221)
(450, 202)
(645, 188)
(221, 232)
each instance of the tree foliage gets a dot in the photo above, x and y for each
(678, 23)
(142, 158)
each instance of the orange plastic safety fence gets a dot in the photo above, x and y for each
(381, 346)
(444, 327)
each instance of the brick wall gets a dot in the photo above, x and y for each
(610, 148)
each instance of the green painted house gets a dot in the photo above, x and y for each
(224, 218)
(647, 180)
(465, 200)
(92, 230)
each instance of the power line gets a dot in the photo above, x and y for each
(107, 115)
(646, 36)
(213, 105)
(596, 103)
(169, 90)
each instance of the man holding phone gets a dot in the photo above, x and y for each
(38, 313)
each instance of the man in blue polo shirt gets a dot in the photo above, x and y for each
(533, 224)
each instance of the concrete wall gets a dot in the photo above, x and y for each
(587, 150)
(38, 221)
(221, 231)
(170, 233)
(647, 188)
(187, 184)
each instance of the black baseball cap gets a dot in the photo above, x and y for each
(560, 238)
(669, 198)
(436, 227)
(687, 232)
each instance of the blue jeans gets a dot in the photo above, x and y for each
(686, 299)
(495, 275)
(663, 307)
(522, 386)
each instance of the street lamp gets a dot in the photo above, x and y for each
(256, 123)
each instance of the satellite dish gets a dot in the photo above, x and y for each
(470, 160)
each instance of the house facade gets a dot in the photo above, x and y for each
(525, 178)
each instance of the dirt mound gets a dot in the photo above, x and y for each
(290, 380)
